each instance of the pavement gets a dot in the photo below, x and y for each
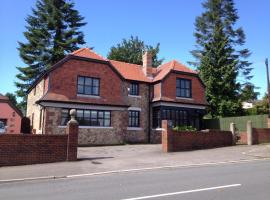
(113, 159)
(241, 181)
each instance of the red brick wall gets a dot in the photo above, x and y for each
(169, 89)
(242, 138)
(260, 135)
(32, 149)
(63, 81)
(186, 140)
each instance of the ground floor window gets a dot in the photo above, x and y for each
(88, 117)
(134, 118)
(178, 116)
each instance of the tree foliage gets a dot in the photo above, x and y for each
(52, 31)
(130, 51)
(218, 58)
(248, 93)
(12, 98)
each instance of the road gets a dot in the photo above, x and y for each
(247, 181)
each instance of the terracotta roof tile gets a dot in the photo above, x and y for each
(130, 71)
(2, 97)
(165, 68)
(134, 72)
(87, 53)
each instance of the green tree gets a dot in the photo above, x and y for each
(248, 92)
(12, 98)
(218, 58)
(52, 31)
(130, 51)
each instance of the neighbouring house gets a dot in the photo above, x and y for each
(247, 105)
(116, 102)
(10, 115)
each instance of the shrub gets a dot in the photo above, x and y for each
(184, 128)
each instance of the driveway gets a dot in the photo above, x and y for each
(114, 158)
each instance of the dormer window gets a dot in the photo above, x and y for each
(183, 88)
(134, 89)
(88, 86)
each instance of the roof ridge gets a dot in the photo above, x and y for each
(78, 50)
(125, 62)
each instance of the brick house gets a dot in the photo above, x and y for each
(116, 102)
(10, 115)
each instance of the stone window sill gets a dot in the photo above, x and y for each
(88, 96)
(136, 96)
(157, 129)
(134, 129)
(184, 98)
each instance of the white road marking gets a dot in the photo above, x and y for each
(184, 192)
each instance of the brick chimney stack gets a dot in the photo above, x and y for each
(147, 63)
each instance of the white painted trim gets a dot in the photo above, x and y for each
(184, 98)
(81, 106)
(90, 127)
(136, 96)
(135, 108)
(134, 128)
(155, 104)
(157, 129)
(88, 96)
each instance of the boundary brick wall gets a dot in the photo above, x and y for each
(33, 149)
(259, 135)
(186, 140)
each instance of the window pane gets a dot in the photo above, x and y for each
(79, 113)
(95, 91)
(187, 84)
(96, 82)
(101, 122)
(178, 83)
(107, 115)
(80, 89)
(87, 90)
(88, 81)
(87, 113)
(187, 93)
(100, 114)
(94, 114)
(107, 122)
(81, 80)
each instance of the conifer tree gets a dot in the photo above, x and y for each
(52, 31)
(220, 57)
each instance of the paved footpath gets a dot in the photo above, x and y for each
(133, 157)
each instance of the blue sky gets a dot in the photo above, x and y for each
(169, 22)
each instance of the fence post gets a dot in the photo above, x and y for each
(249, 133)
(232, 129)
(72, 131)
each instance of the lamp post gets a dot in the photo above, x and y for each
(268, 87)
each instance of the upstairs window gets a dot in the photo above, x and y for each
(88, 86)
(183, 88)
(134, 89)
(134, 118)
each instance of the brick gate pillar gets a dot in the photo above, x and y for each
(72, 131)
(232, 129)
(167, 137)
(249, 133)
